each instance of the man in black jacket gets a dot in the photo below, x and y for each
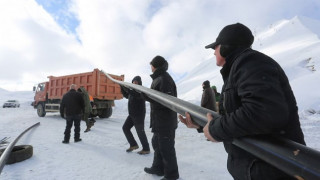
(137, 113)
(163, 123)
(72, 105)
(256, 100)
(208, 99)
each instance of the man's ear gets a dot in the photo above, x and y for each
(224, 50)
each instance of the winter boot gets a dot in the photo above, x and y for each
(65, 140)
(87, 130)
(131, 148)
(77, 140)
(92, 121)
(155, 171)
(143, 152)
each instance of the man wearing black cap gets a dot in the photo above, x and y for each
(208, 99)
(163, 123)
(256, 99)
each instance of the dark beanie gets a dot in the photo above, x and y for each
(138, 79)
(234, 35)
(158, 61)
(206, 83)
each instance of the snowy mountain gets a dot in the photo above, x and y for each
(294, 44)
(3, 90)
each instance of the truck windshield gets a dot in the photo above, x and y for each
(40, 87)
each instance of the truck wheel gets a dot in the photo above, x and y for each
(40, 110)
(106, 113)
(19, 153)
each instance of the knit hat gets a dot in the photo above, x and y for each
(206, 83)
(138, 79)
(158, 61)
(234, 35)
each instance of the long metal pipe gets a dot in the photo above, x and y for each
(292, 158)
(5, 155)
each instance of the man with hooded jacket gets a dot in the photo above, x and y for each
(87, 108)
(137, 113)
(256, 100)
(208, 99)
(163, 123)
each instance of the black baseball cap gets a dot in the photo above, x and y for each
(234, 35)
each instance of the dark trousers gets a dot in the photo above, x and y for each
(128, 124)
(165, 154)
(69, 121)
(85, 117)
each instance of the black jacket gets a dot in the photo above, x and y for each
(73, 103)
(256, 100)
(162, 118)
(136, 103)
(208, 99)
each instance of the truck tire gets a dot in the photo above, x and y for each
(40, 110)
(19, 153)
(106, 113)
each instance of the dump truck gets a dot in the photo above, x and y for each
(48, 95)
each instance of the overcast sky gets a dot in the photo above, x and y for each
(58, 37)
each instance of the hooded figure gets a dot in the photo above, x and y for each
(217, 94)
(137, 113)
(208, 99)
(87, 108)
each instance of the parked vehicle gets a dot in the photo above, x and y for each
(11, 103)
(48, 95)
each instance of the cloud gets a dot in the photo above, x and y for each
(121, 37)
(33, 46)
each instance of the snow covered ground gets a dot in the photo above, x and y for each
(101, 154)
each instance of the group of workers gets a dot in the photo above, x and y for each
(256, 99)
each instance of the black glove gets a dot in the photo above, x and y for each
(123, 89)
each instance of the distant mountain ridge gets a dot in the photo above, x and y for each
(3, 90)
(312, 24)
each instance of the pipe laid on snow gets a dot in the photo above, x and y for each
(5, 155)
